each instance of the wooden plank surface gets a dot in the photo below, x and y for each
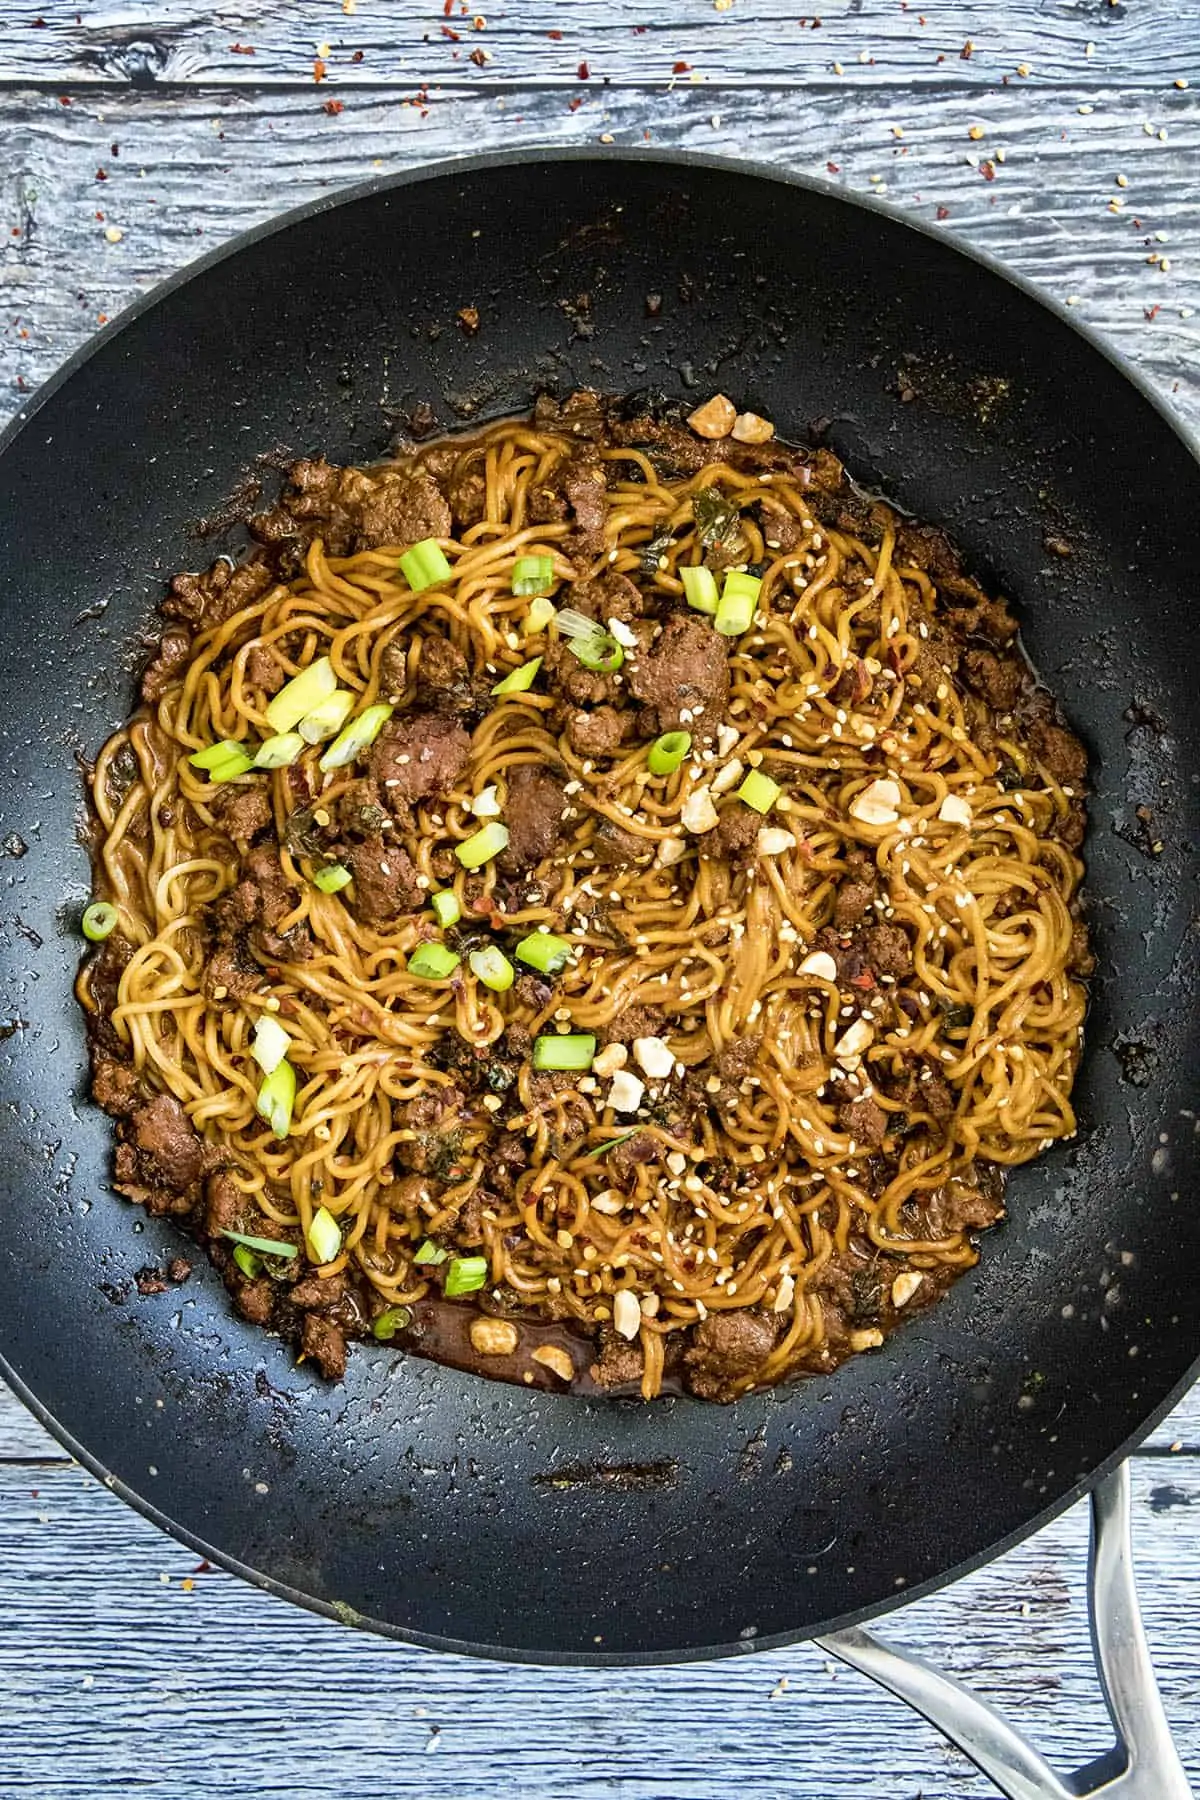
(114, 1672)
(133, 136)
(1146, 44)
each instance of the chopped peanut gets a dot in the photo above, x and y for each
(715, 419)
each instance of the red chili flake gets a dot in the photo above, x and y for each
(480, 58)
(241, 49)
(114, 149)
(583, 72)
(101, 174)
(202, 1568)
(865, 982)
(1151, 312)
(638, 31)
(574, 105)
(680, 68)
(64, 99)
(988, 171)
(318, 69)
(834, 168)
(556, 36)
(448, 31)
(943, 212)
(447, 8)
(333, 107)
(39, 24)
(357, 57)
(940, 59)
(967, 51)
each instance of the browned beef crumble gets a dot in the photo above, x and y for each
(677, 677)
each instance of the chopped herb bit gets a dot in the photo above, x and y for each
(717, 519)
(533, 575)
(447, 908)
(433, 962)
(482, 845)
(466, 1275)
(573, 1050)
(386, 1324)
(759, 791)
(324, 1236)
(357, 736)
(700, 588)
(248, 1261)
(98, 921)
(301, 694)
(333, 879)
(610, 1144)
(521, 680)
(425, 565)
(668, 751)
(265, 1246)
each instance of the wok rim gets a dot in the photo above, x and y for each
(448, 168)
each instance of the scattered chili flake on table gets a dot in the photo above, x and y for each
(680, 68)
(318, 69)
(333, 107)
(241, 49)
(988, 171)
(448, 31)
(1151, 312)
(101, 174)
(556, 36)
(834, 168)
(481, 58)
(574, 105)
(583, 72)
(357, 57)
(943, 212)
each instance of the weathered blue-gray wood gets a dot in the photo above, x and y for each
(114, 1678)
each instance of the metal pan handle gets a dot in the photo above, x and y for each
(1142, 1765)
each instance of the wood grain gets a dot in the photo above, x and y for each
(164, 43)
(113, 1675)
(188, 175)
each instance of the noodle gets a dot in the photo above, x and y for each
(829, 1137)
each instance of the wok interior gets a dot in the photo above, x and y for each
(430, 1502)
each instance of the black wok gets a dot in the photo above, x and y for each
(431, 1504)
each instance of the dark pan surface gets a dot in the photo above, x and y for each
(432, 1504)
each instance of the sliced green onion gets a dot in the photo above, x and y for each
(668, 751)
(223, 761)
(533, 575)
(301, 694)
(430, 1254)
(447, 908)
(482, 845)
(265, 1246)
(538, 616)
(433, 962)
(735, 609)
(610, 1144)
(358, 736)
(424, 565)
(333, 879)
(248, 1261)
(271, 1044)
(466, 1275)
(280, 751)
(521, 680)
(324, 1236)
(330, 716)
(388, 1323)
(700, 588)
(492, 967)
(759, 791)
(543, 951)
(573, 1050)
(99, 919)
(276, 1098)
(217, 753)
(602, 652)
(595, 647)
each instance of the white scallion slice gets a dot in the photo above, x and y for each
(271, 1044)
